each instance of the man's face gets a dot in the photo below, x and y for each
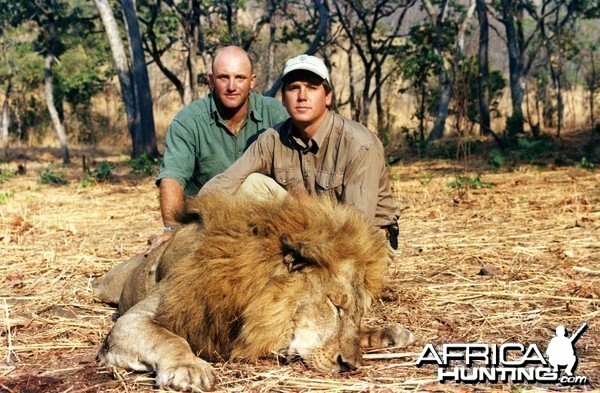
(306, 101)
(232, 80)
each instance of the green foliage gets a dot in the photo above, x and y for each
(69, 30)
(80, 75)
(419, 61)
(514, 125)
(144, 164)
(160, 25)
(529, 150)
(425, 179)
(591, 150)
(412, 139)
(6, 175)
(101, 174)
(523, 150)
(469, 182)
(496, 84)
(585, 164)
(6, 195)
(50, 176)
(495, 159)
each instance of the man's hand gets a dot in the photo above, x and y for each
(158, 240)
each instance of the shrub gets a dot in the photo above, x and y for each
(6, 175)
(6, 195)
(469, 182)
(49, 176)
(144, 164)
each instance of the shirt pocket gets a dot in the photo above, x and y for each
(209, 166)
(330, 183)
(287, 177)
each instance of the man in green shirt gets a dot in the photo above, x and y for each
(207, 136)
(203, 140)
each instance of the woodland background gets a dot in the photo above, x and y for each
(415, 71)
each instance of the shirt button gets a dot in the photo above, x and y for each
(239, 152)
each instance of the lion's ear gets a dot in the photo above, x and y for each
(292, 255)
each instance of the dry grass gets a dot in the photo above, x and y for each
(503, 264)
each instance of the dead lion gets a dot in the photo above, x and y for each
(247, 279)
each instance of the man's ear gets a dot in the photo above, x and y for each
(252, 81)
(328, 99)
(211, 80)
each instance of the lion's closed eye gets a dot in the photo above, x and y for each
(339, 310)
(294, 262)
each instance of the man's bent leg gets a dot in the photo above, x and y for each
(262, 187)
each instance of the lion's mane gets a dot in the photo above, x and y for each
(241, 266)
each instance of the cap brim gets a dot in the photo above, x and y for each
(302, 67)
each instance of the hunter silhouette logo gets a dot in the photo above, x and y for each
(560, 349)
(507, 363)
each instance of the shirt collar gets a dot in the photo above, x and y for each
(317, 140)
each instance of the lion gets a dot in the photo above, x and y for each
(244, 279)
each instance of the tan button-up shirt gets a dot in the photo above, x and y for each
(343, 160)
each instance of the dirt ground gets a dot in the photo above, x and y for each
(502, 264)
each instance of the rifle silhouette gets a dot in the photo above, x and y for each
(576, 335)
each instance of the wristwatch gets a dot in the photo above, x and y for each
(167, 228)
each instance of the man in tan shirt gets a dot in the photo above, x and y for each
(316, 151)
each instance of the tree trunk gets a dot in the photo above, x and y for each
(483, 67)
(4, 119)
(191, 38)
(366, 97)
(592, 87)
(442, 112)
(515, 69)
(382, 130)
(354, 108)
(58, 127)
(558, 70)
(144, 140)
(271, 49)
(120, 58)
(446, 75)
(555, 74)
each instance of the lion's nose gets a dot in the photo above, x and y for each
(345, 365)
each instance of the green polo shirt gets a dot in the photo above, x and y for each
(199, 145)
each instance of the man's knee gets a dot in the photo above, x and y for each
(262, 187)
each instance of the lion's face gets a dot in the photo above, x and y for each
(326, 333)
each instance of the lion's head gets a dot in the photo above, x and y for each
(261, 277)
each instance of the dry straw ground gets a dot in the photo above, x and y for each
(502, 264)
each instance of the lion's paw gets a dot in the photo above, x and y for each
(192, 376)
(392, 336)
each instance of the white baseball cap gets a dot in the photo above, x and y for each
(307, 63)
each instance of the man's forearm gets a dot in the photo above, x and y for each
(171, 200)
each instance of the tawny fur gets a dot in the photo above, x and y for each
(228, 279)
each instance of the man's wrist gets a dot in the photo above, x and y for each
(167, 228)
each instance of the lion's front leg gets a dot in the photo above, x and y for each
(137, 342)
(391, 336)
